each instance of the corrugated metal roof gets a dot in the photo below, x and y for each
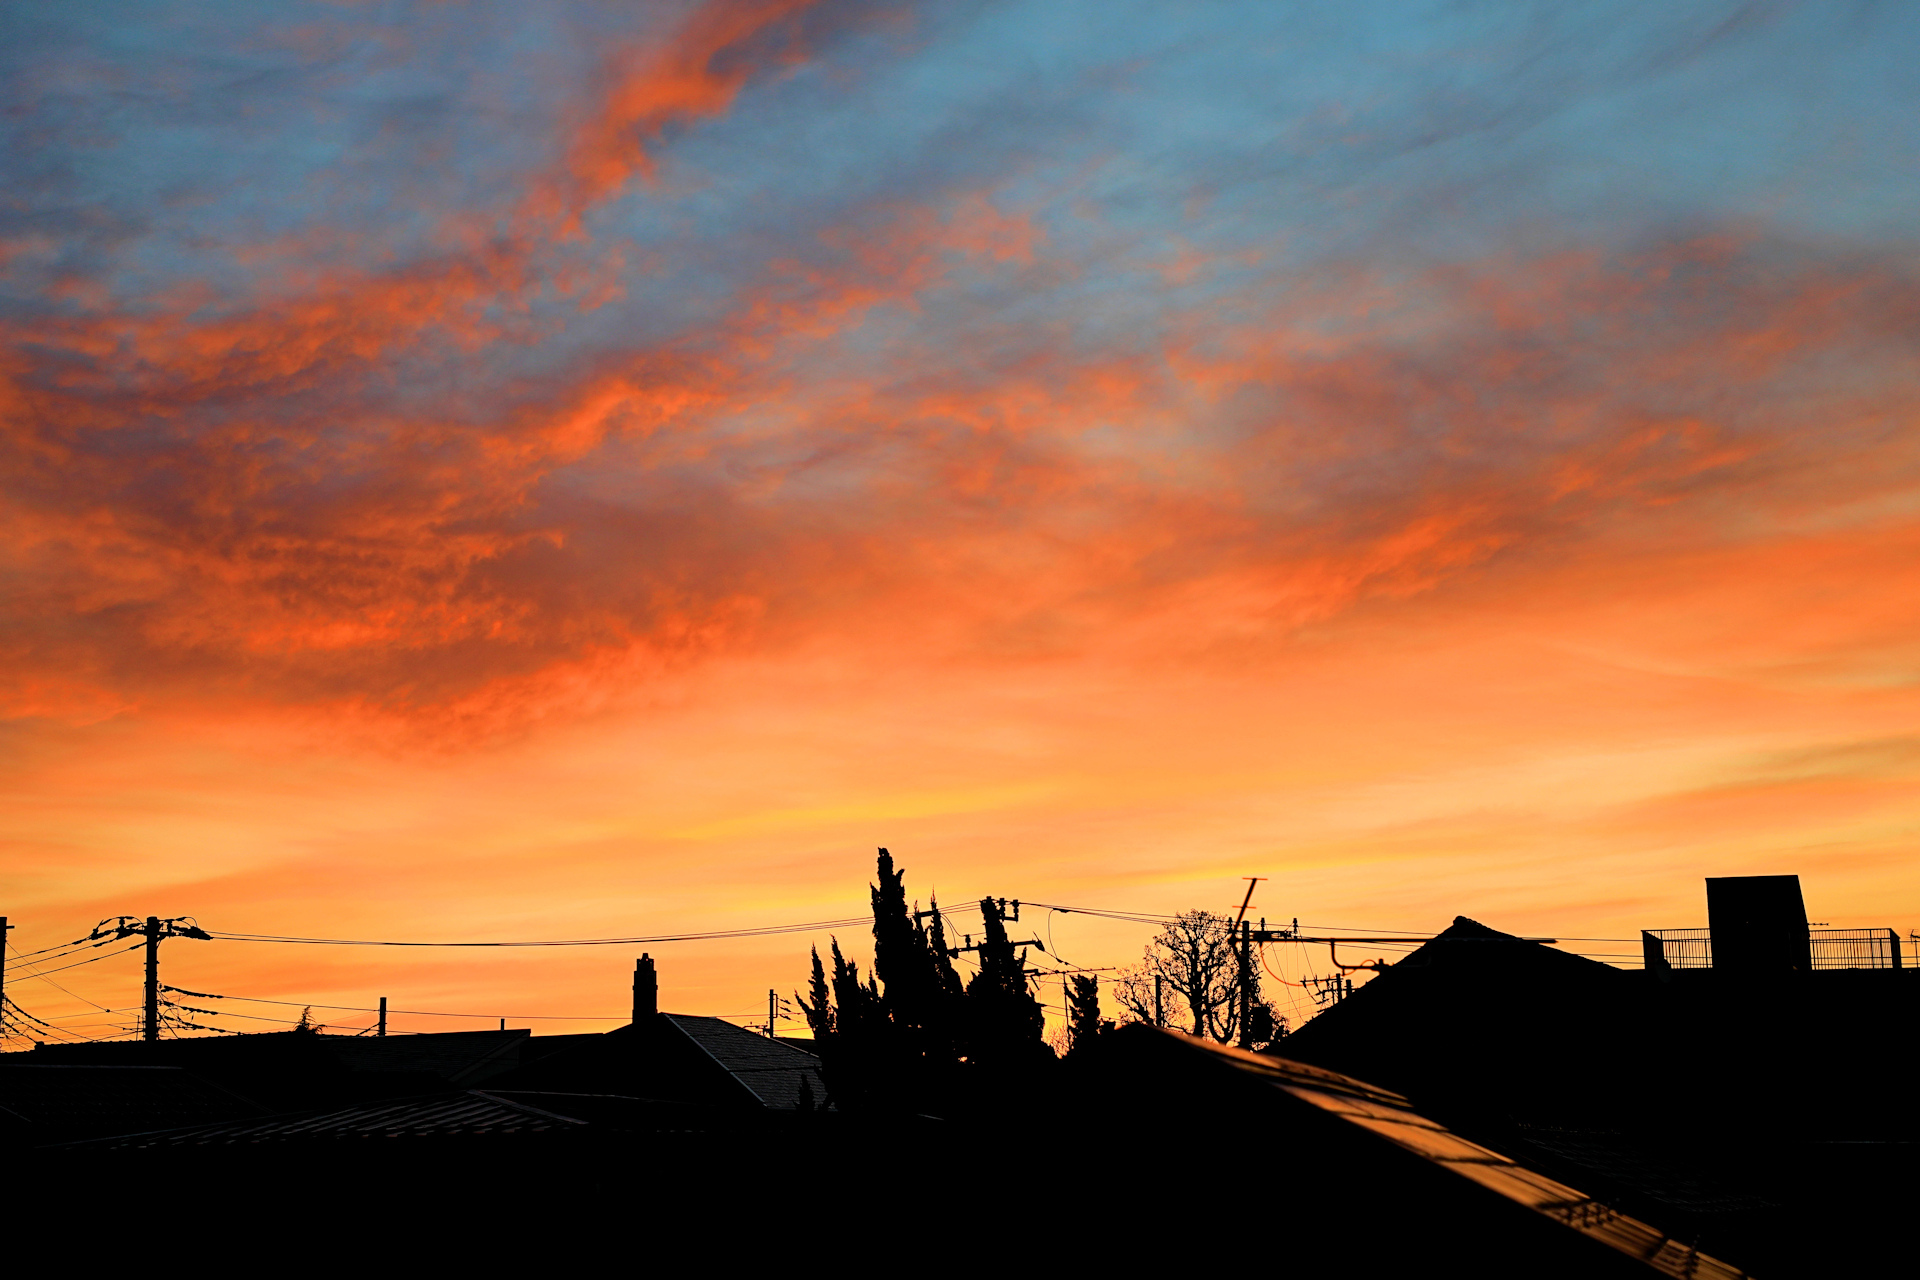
(68, 1101)
(473, 1113)
(771, 1071)
(468, 1114)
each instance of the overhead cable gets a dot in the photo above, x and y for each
(90, 960)
(424, 1013)
(814, 926)
(28, 955)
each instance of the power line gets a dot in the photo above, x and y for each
(11, 1003)
(90, 960)
(24, 962)
(815, 926)
(425, 1013)
(223, 1013)
(70, 994)
(1134, 917)
(84, 1013)
(20, 956)
(1148, 917)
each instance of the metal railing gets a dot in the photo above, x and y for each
(1677, 948)
(1826, 949)
(1857, 949)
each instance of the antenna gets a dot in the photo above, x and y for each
(1253, 882)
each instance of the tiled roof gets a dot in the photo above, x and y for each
(770, 1070)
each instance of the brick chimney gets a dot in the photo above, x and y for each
(646, 988)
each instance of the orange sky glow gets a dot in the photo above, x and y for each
(602, 523)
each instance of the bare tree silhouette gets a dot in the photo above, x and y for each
(1197, 967)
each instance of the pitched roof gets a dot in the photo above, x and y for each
(1482, 1018)
(459, 1057)
(289, 1069)
(771, 1070)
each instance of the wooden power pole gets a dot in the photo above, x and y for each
(1241, 932)
(150, 1027)
(1247, 985)
(153, 929)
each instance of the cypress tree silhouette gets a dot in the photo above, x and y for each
(1007, 1020)
(819, 1009)
(948, 980)
(900, 958)
(947, 1030)
(911, 1033)
(855, 1060)
(858, 1014)
(1083, 1012)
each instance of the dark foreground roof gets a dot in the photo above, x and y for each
(293, 1070)
(1393, 1170)
(41, 1104)
(1765, 1118)
(1387, 1116)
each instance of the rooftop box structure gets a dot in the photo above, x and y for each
(1759, 925)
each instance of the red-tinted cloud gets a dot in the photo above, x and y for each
(238, 505)
(654, 86)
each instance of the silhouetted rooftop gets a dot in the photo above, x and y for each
(41, 1103)
(1423, 1191)
(286, 1070)
(770, 1070)
(1723, 1109)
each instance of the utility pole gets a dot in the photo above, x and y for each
(383, 1017)
(4, 926)
(1244, 948)
(777, 1008)
(1159, 983)
(150, 1028)
(1246, 984)
(153, 929)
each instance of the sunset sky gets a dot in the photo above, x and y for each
(560, 470)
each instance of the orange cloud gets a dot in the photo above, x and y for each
(697, 71)
(239, 502)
